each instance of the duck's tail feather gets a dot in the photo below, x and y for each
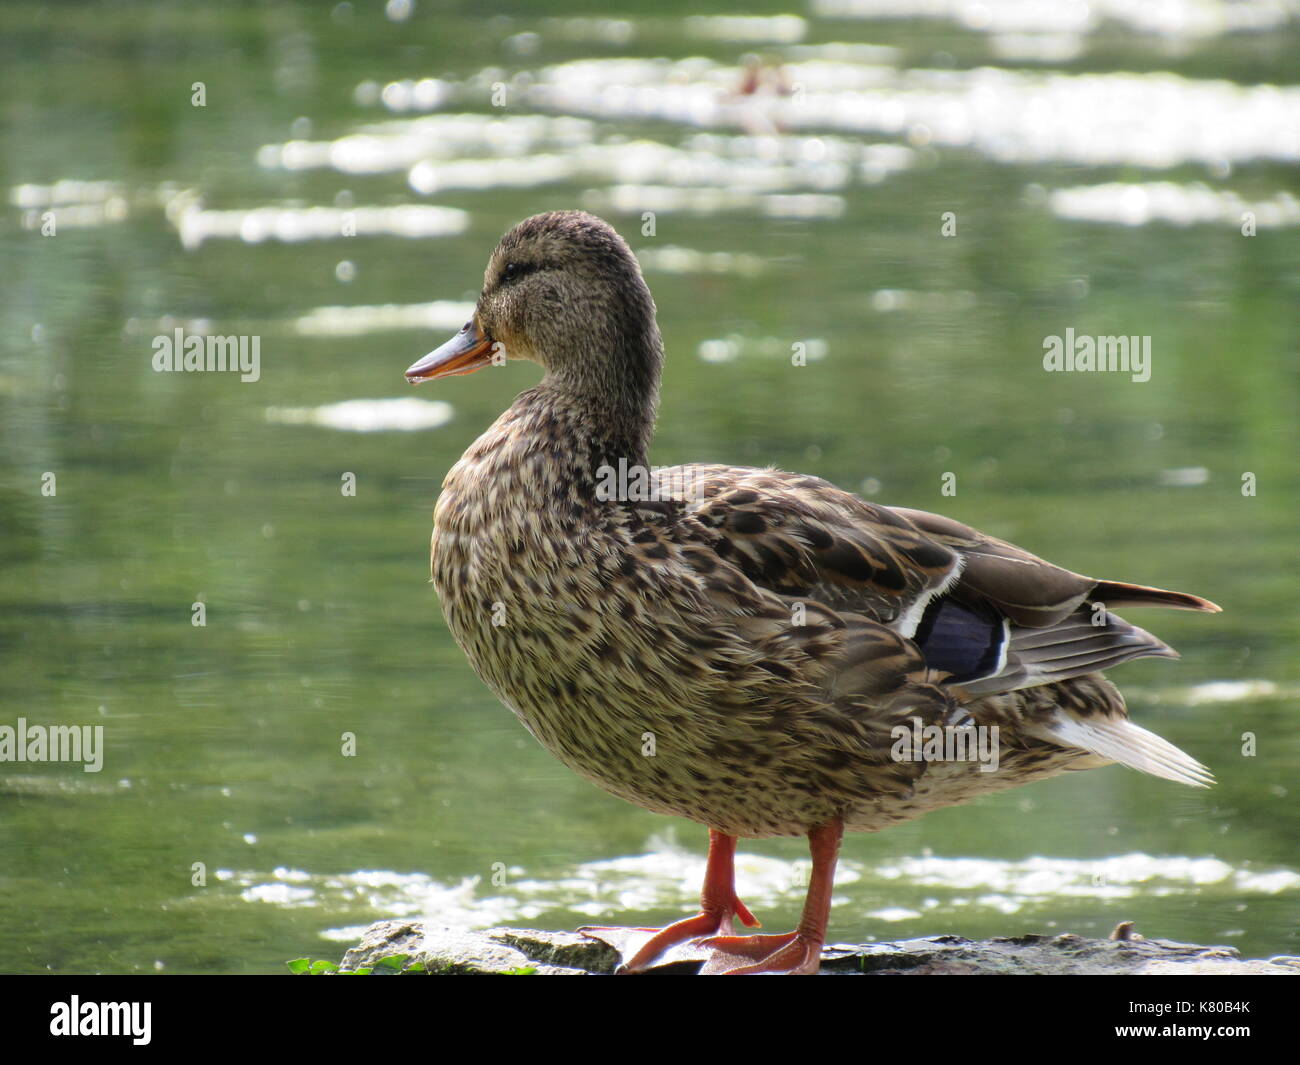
(1117, 739)
(1121, 593)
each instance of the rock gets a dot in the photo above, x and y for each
(523, 951)
(497, 952)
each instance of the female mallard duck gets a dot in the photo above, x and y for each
(741, 646)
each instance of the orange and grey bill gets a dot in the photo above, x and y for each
(467, 351)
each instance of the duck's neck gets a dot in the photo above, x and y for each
(607, 403)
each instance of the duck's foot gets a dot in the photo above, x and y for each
(707, 937)
(644, 948)
(793, 954)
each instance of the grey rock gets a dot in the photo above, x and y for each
(532, 952)
(496, 952)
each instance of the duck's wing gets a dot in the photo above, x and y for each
(986, 615)
(1055, 624)
(923, 615)
(802, 536)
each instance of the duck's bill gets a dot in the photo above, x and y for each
(467, 351)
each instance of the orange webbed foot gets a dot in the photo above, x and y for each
(644, 948)
(793, 954)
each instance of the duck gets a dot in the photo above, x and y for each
(758, 651)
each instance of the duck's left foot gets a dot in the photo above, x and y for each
(644, 948)
(793, 954)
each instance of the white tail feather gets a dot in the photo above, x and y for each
(1119, 740)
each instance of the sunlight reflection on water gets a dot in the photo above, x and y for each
(666, 878)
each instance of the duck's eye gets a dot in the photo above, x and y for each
(514, 271)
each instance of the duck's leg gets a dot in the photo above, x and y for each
(718, 905)
(799, 952)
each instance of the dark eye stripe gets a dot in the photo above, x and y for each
(514, 271)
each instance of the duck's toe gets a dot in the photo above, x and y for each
(792, 954)
(645, 948)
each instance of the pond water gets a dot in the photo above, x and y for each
(1094, 168)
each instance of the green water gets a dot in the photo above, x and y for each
(223, 742)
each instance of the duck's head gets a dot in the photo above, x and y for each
(563, 290)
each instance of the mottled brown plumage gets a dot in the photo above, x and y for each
(737, 646)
